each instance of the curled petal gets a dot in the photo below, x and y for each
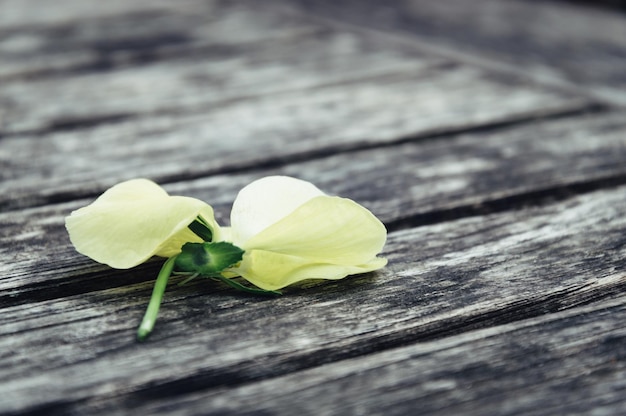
(265, 202)
(324, 238)
(272, 271)
(133, 221)
(325, 229)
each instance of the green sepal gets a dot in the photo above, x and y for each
(207, 259)
(201, 228)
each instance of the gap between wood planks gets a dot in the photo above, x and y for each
(475, 373)
(477, 57)
(508, 203)
(313, 154)
(330, 150)
(86, 122)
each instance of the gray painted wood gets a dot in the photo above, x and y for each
(272, 129)
(552, 42)
(197, 83)
(21, 13)
(569, 362)
(38, 40)
(288, 86)
(504, 197)
(457, 276)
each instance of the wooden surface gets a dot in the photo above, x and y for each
(497, 164)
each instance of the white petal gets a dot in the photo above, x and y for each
(272, 271)
(265, 202)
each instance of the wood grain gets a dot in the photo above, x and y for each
(408, 184)
(489, 139)
(28, 13)
(571, 362)
(212, 112)
(442, 280)
(269, 130)
(77, 37)
(581, 46)
(197, 82)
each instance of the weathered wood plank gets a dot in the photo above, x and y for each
(336, 95)
(254, 132)
(412, 183)
(358, 115)
(134, 36)
(571, 363)
(456, 276)
(553, 41)
(200, 82)
(19, 13)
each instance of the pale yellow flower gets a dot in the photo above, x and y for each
(134, 221)
(283, 230)
(291, 231)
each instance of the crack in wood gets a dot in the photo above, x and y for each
(90, 282)
(56, 408)
(509, 203)
(57, 197)
(64, 124)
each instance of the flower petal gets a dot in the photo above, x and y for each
(133, 221)
(325, 230)
(265, 202)
(324, 238)
(271, 271)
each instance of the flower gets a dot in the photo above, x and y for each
(288, 229)
(291, 231)
(135, 220)
(283, 230)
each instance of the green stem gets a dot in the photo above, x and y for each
(147, 323)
